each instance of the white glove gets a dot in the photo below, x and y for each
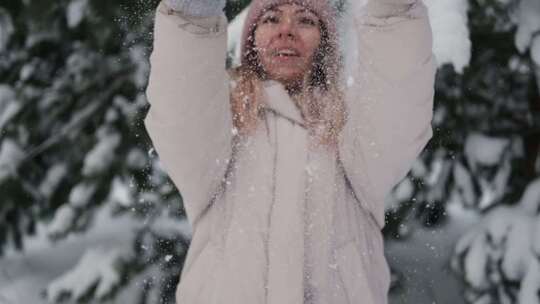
(198, 8)
(392, 8)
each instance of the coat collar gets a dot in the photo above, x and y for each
(279, 101)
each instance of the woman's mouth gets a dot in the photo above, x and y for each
(286, 53)
(286, 57)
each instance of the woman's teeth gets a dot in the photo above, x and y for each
(287, 53)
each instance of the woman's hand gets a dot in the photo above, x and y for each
(197, 8)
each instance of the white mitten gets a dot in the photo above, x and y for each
(198, 8)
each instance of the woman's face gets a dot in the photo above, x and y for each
(286, 39)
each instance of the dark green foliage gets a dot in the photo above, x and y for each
(496, 96)
(80, 85)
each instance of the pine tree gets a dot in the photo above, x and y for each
(72, 100)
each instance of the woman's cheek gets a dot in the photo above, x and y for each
(313, 42)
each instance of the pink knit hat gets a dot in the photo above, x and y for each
(321, 8)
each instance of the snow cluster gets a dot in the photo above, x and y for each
(464, 184)
(62, 221)
(6, 28)
(65, 217)
(80, 194)
(129, 108)
(404, 190)
(102, 155)
(451, 43)
(435, 179)
(489, 151)
(136, 158)
(528, 32)
(164, 225)
(97, 266)
(9, 106)
(528, 20)
(535, 49)
(503, 246)
(488, 159)
(27, 70)
(121, 193)
(75, 12)
(54, 176)
(483, 150)
(142, 66)
(11, 155)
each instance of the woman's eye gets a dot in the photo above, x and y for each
(307, 21)
(270, 19)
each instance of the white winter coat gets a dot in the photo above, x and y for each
(273, 221)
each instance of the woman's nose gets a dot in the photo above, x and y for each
(286, 28)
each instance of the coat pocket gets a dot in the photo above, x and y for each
(354, 274)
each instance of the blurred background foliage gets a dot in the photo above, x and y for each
(72, 143)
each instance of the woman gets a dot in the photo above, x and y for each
(284, 162)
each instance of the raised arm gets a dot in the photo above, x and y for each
(189, 120)
(389, 97)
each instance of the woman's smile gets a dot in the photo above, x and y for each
(287, 56)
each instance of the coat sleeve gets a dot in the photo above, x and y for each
(389, 98)
(189, 120)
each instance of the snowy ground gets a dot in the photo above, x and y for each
(423, 259)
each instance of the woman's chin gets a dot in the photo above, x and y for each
(287, 75)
